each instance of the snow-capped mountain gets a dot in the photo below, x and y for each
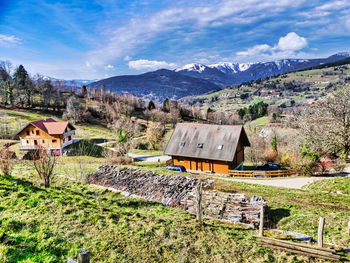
(226, 73)
(73, 82)
(195, 79)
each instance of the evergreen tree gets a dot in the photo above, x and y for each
(21, 80)
(151, 105)
(274, 143)
(166, 105)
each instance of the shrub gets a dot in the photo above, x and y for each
(270, 155)
(119, 160)
(7, 161)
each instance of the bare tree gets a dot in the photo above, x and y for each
(326, 125)
(154, 135)
(7, 160)
(44, 163)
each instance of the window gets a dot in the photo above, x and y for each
(28, 132)
(35, 142)
(32, 131)
(27, 141)
(220, 146)
(181, 159)
(37, 132)
(43, 141)
(200, 145)
(182, 144)
(54, 141)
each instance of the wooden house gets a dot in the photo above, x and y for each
(48, 133)
(206, 147)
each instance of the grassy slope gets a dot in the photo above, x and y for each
(49, 225)
(18, 119)
(233, 101)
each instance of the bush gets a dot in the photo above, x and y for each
(7, 161)
(119, 160)
(270, 155)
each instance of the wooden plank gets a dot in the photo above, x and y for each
(261, 225)
(333, 257)
(295, 247)
(299, 244)
(320, 232)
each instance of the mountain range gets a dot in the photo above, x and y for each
(195, 79)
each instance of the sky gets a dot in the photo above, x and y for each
(95, 39)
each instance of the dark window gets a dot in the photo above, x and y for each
(69, 138)
(182, 144)
(27, 141)
(181, 159)
(54, 141)
(32, 131)
(28, 132)
(37, 132)
(43, 141)
(200, 145)
(220, 146)
(35, 142)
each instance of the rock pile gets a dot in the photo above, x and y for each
(179, 191)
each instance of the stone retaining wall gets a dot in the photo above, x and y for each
(179, 191)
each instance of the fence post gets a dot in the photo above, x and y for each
(261, 225)
(320, 231)
(84, 256)
(199, 202)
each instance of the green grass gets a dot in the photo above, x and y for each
(18, 119)
(260, 121)
(146, 152)
(50, 225)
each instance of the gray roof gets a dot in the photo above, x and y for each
(211, 136)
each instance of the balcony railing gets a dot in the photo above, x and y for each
(69, 133)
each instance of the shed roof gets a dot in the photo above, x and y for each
(189, 135)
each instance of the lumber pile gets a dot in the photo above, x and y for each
(180, 191)
(300, 248)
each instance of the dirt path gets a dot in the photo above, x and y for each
(296, 183)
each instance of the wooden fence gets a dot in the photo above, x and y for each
(261, 173)
(309, 250)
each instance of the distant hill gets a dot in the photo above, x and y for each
(227, 73)
(158, 84)
(299, 88)
(196, 79)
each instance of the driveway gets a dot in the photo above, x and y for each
(149, 158)
(296, 183)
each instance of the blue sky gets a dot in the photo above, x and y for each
(96, 39)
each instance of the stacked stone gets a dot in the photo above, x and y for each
(179, 191)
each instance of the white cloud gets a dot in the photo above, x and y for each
(6, 40)
(334, 5)
(291, 42)
(141, 30)
(255, 50)
(287, 47)
(142, 64)
(109, 66)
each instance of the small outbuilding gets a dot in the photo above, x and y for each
(207, 147)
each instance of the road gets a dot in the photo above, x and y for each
(294, 183)
(149, 158)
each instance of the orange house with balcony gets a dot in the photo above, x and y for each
(48, 133)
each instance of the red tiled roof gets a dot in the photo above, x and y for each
(56, 127)
(50, 126)
(41, 124)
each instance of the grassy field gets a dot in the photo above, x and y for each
(18, 119)
(49, 225)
